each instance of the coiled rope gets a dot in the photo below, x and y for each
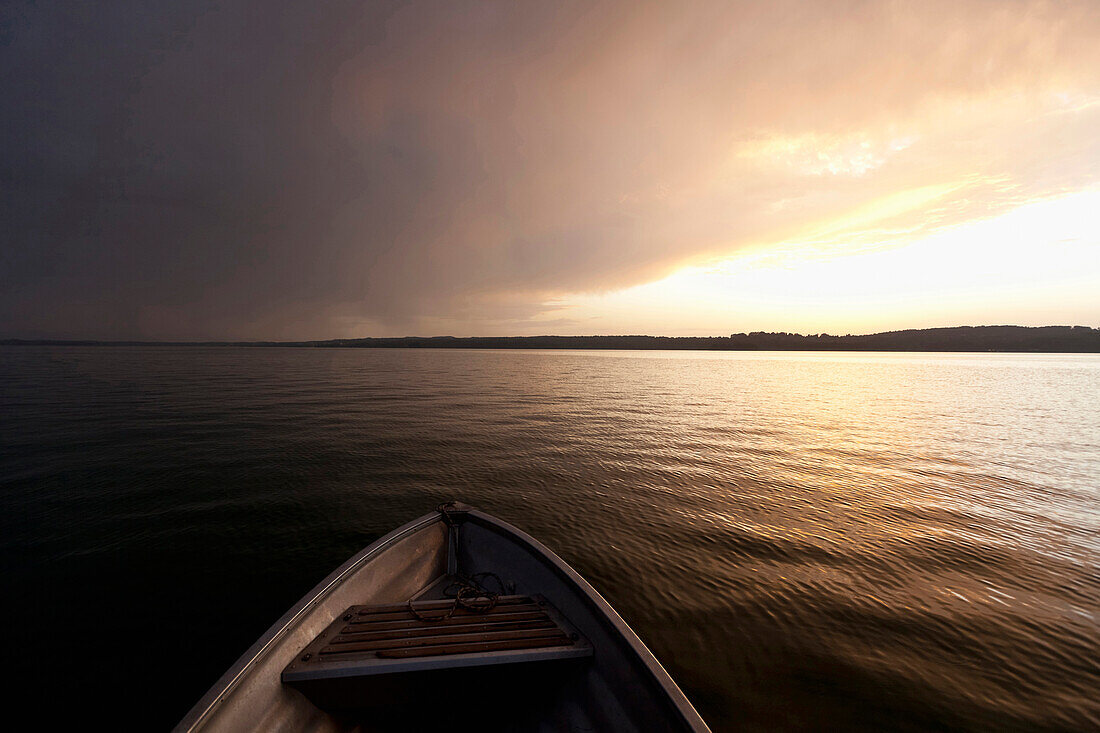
(468, 591)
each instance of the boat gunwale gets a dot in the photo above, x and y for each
(232, 677)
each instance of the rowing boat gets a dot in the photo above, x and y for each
(456, 619)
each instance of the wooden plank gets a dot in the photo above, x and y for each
(382, 628)
(433, 615)
(485, 636)
(431, 630)
(427, 605)
(492, 646)
(411, 623)
(438, 613)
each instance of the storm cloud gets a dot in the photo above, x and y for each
(307, 170)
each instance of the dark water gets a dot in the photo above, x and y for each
(805, 541)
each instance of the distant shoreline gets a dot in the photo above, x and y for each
(1015, 339)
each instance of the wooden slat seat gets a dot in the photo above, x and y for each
(368, 641)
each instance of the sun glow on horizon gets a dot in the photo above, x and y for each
(1034, 265)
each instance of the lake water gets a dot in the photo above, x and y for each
(805, 540)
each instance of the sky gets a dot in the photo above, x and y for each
(290, 170)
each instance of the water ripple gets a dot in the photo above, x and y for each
(806, 541)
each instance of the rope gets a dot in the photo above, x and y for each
(468, 591)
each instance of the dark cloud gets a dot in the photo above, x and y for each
(169, 168)
(310, 169)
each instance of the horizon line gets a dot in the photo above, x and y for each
(446, 337)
